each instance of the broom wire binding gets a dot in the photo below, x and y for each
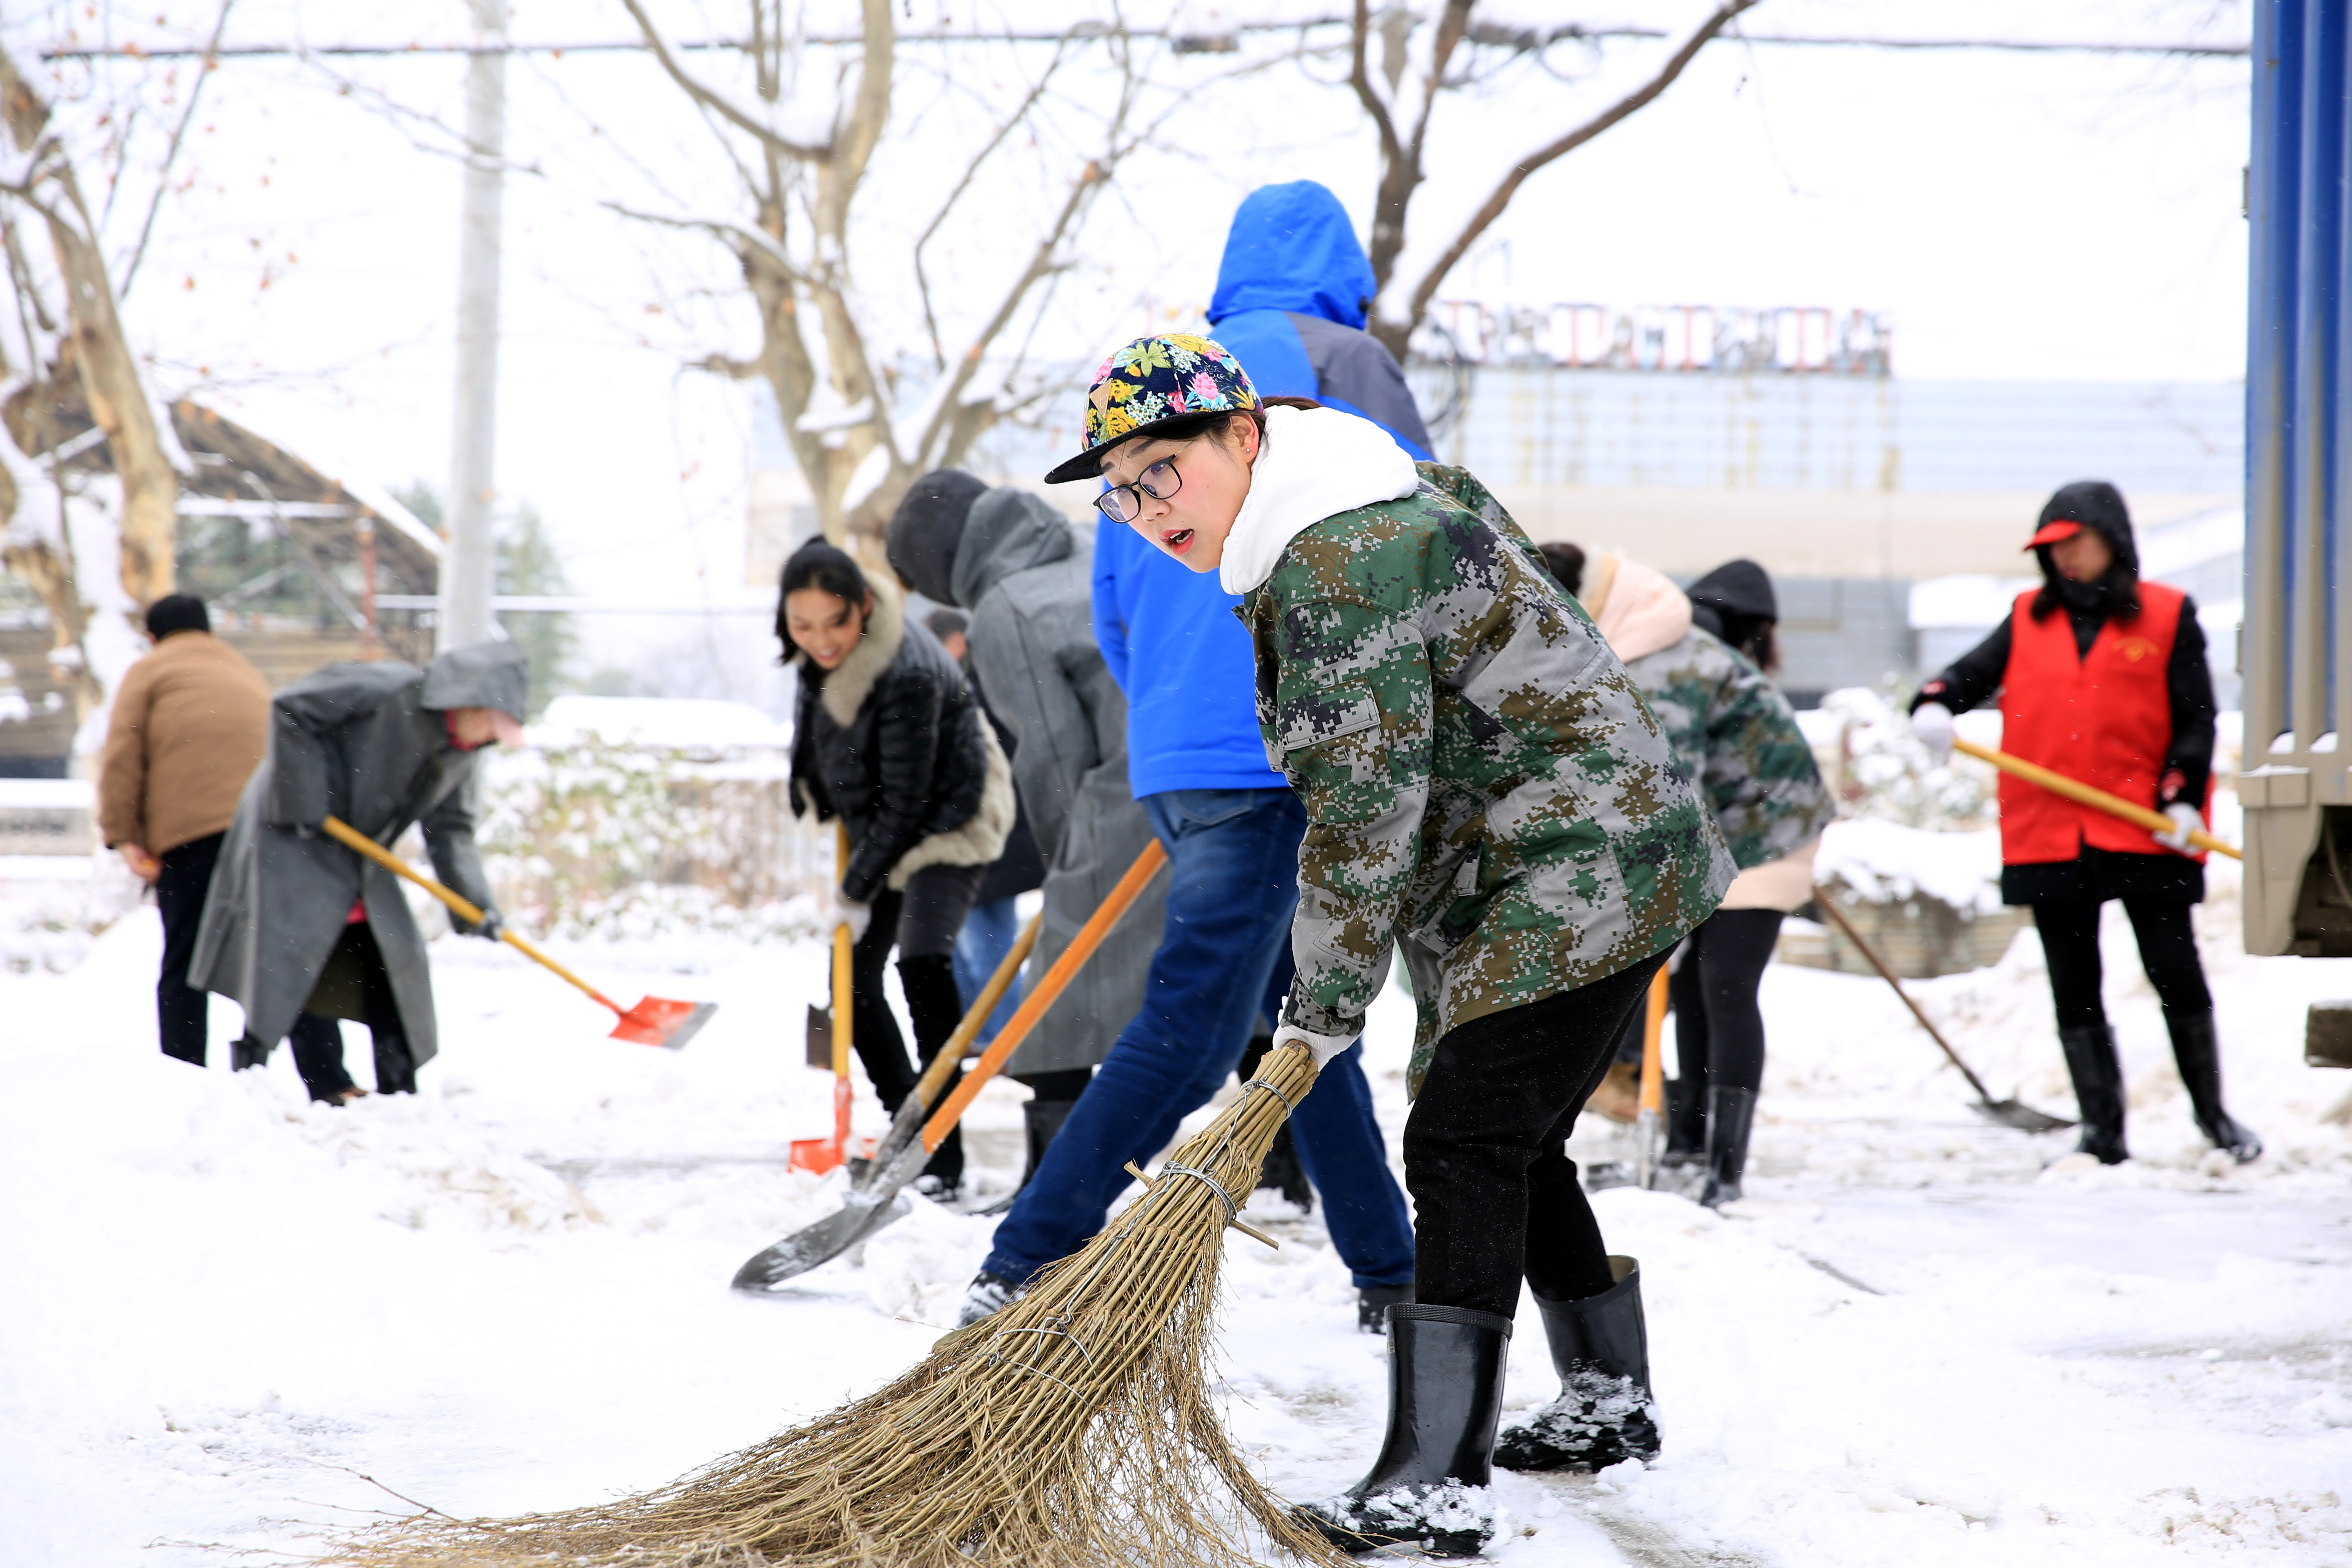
(1074, 1428)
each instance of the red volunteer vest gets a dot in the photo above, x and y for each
(2104, 717)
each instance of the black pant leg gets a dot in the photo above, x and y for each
(1737, 946)
(395, 1067)
(319, 1055)
(1500, 1095)
(2167, 950)
(1686, 993)
(874, 1031)
(182, 1012)
(2070, 947)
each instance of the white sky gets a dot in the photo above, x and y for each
(2064, 217)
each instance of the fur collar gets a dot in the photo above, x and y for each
(848, 686)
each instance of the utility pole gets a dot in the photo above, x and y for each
(470, 566)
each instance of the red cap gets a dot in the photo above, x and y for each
(2052, 533)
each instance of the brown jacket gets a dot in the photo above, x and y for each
(190, 725)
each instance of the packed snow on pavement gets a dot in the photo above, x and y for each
(232, 1320)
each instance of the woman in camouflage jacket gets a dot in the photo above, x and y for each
(1485, 790)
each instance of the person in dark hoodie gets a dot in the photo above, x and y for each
(2102, 676)
(887, 736)
(299, 931)
(1018, 568)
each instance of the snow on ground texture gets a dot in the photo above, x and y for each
(1920, 1341)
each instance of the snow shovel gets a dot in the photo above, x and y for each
(873, 1201)
(654, 1021)
(830, 1032)
(2008, 1112)
(2085, 794)
(1650, 1120)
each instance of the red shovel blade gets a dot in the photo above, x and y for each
(658, 1021)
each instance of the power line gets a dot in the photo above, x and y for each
(1226, 42)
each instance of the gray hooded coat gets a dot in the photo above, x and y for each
(368, 743)
(1022, 573)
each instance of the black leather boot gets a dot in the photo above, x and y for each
(1685, 1124)
(1429, 1486)
(1730, 1115)
(246, 1051)
(1604, 1414)
(2098, 1090)
(1372, 1304)
(2198, 1056)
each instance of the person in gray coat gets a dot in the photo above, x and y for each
(299, 931)
(1022, 571)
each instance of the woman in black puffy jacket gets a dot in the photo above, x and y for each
(888, 737)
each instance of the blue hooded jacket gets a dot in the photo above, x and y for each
(1290, 305)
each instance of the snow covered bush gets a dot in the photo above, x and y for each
(631, 841)
(1881, 769)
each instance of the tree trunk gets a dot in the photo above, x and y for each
(118, 402)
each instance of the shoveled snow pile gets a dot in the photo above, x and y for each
(1923, 1339)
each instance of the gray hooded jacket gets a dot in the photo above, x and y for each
(1021, 573)
(368, 743)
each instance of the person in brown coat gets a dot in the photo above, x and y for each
(189, 726)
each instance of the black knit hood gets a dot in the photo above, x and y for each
(2098, 506)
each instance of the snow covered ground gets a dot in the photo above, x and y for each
(1921, 1340)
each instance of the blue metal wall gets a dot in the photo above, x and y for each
(2297, 360)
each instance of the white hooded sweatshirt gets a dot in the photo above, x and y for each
(1314, 463)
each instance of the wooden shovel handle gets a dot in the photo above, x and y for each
(351, 838)
(2087, 794)
(1033, 1006)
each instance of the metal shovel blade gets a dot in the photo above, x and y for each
(826, 1241)
(658, 1021)
(2024, 1117)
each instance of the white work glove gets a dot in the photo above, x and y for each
(1931, 722)
(851, 913)
(1324, 1046)
(2186, 820)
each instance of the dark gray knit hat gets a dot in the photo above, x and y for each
(927, 530)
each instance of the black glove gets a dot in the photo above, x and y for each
(492, 927)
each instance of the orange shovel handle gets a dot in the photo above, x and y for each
(1033, 1006)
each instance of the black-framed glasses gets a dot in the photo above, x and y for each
(1122, 504)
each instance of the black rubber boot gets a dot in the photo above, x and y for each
(1604, 1414)
(2198, 1053)
(1429, 1486)
(1685, 1124)
(935, 1008)
(1730, 1115)
(1372, 1304)
(246, 1051)
(2098, 1090)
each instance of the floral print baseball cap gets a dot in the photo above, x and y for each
(1149, 383)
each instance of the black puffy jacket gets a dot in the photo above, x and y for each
(893, 740)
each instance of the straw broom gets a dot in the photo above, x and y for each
(1072, 1430)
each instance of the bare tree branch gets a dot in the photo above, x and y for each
(1500, 198)
(1011, 122)
(172, 152)
(710, 98)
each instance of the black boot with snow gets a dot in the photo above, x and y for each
(1372, 1304)
(987, 1294)
(1429, 1487)
(1730, 1114)
(1604, 1414)
(2198, 1053)
(2098, 1090)
(1685, 1124)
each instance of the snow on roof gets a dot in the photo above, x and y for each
(378, 500)
(1967, 599)
(669, 721)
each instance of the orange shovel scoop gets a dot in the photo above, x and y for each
(654, 1021)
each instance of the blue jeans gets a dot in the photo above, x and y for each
(1223, 960)
(988, 934)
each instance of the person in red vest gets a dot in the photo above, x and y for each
(2102, 676)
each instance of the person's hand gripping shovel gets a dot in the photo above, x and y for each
(654, 1021)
